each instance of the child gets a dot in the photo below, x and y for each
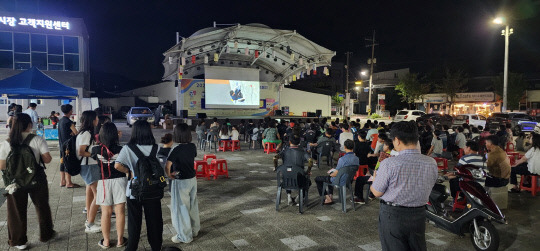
(111, 188)
(255, 134)
(40, 125)
(54, 119)
(234, 133)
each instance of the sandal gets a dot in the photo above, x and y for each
(100, 243)
(124, 243)
(74, 186)
(513, 190)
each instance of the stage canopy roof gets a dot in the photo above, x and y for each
(33, 83)
(279, 53)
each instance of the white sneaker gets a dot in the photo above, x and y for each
(176, 240)
(21, 247)
(91, 229)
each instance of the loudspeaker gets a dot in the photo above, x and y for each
(318, 112)
(278, 113)
(184, 114)
(201, 115)
(311, 114)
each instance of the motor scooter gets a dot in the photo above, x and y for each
(477, 215)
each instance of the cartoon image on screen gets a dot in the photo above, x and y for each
(221, 93)
(236, 92)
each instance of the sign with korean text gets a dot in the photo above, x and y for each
(475, 97)
(381, 96)
(35, 23)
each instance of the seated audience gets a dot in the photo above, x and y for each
(498, 163)
(528, 164)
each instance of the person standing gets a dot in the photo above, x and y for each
(17, 201)
(142, 138)
(31, 111)
(66, 130)
(404, 183)
(89, 167)
(184, 203)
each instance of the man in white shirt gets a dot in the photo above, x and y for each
(461, 141)
(31, 111)
(345, 135)
(372, 130)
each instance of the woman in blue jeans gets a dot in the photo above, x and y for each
(184, 203)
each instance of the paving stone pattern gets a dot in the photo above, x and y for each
(239, 214)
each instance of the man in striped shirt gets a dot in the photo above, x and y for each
(471, 157)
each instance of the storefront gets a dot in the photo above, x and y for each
(483, 103)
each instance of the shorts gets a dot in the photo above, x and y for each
(90, 173)
(111, 191)
(277, 141)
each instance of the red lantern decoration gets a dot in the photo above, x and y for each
(192, 59)
(256, 54)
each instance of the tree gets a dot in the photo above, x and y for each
(410, 89)
(452, 83)
(517, 86)
(338, 101)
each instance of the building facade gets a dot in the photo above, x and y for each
(58, 46)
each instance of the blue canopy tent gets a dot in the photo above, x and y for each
(34, 84)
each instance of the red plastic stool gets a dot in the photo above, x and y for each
(508, 148)
(224, 145)
(461, 153)
(269, 147)
(512, 159)
(534, 184)
(209, 156)
(459, 204)
(362, 171)
(235, 145)
(204, 168)
(341, 154)
(218, 167)
(442, 163)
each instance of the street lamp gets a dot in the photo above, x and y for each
(363, 73)
(358, 97)
(506, 33)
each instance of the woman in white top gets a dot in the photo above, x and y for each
(89, 167)
(528, 164)
(224, 133)
(436, 148)
(234, 133)
(17, 201)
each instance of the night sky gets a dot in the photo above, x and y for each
(128, 38)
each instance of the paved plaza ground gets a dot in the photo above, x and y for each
(239, 214)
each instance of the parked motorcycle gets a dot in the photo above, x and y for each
(477, 215)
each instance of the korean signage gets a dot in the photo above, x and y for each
(36, 23)
(381, 96)
(475, 97)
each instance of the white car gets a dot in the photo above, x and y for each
(408, 115)
(471, 119)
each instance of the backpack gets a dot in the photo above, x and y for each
(149, 178)
(72, 163)
(311, 136)
(21, 165)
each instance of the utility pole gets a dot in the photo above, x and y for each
(372, 61)
(347, 94)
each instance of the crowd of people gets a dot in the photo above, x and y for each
(112, 172)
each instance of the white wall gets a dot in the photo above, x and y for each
(164, 90)
(301, 101)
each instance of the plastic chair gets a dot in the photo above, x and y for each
(204, 170)
(209, 156)
(458, 204)
(218, 167)
(461, 153)
(512, 159)
(341, 154)
(509, 147)
(287, 178)
(535, 187)
(201, 139)
(235, 145)
(210, 138)
(326, 151)
(442, 164)
(269, 147)
(350, 171)
(224, 145)
(374, 139)
(362, 171)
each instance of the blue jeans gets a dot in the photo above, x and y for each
(185, 209)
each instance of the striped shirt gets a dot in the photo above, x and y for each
(471, 159)
(406, 179)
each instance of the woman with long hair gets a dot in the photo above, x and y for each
(89, 167)
(111, 188)
(224, 133)
(143, 139)
(17, 202)
(528, 164)
(184, 203)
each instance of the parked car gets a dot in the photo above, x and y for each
(520, 122)
(408, 115)
(471, 119)
(139, 113)
(437, 119)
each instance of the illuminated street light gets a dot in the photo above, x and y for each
(363, 73)
(506, 33)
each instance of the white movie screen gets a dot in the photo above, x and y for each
(220, 93)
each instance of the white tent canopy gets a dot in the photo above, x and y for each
(281, 53)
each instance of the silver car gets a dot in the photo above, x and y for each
(139, 113)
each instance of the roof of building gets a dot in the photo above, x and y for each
(282, 53)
